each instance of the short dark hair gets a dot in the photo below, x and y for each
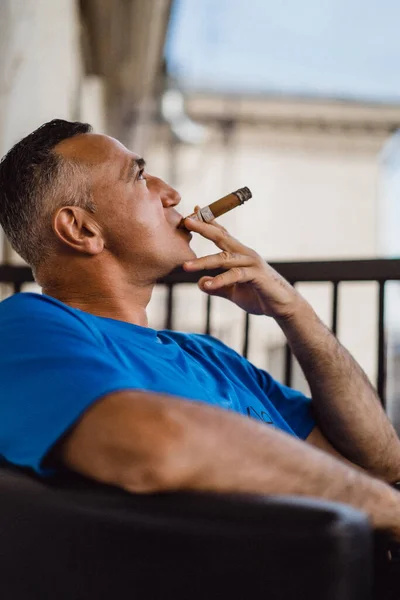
(35, 180)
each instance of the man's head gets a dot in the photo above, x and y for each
(34, 180)
(70, 196)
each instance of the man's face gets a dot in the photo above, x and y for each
(135, 210)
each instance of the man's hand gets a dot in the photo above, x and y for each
(248, 280)
(347, 409)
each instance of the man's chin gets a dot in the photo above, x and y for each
(176, 264)
(191, 255)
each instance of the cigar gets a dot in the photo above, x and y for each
(221, 206)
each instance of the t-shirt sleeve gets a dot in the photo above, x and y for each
(293, 406)
(53, 366)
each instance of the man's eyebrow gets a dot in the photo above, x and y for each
(134, 165)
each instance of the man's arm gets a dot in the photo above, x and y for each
(145, 442)
(347, 408)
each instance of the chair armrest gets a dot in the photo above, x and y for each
(386, 565)
(69, 538)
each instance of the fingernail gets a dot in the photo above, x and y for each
(189, 263)
(208, 283)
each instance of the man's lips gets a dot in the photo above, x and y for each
(180, 227)
(185, 232)
(181, 223)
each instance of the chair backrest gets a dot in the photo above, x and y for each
(70, 539)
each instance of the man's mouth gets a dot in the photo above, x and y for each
(185, 232)
(181, 227)
(181, 224)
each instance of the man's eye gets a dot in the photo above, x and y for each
(141, 175)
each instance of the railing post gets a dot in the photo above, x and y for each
(245, 350)
(335, 306)
(207, 328)
(288, 367)
(381, 379)
(287, 377)
(169, 321)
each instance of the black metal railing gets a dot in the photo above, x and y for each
(334, 272)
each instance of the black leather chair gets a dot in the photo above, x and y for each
(70, 539)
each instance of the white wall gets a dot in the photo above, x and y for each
(46, 66)
(93, 102)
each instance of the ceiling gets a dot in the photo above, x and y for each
(123, 42)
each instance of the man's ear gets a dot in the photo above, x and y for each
(75, 227)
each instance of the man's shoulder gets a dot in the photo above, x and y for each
(24, 301)
(39, 312)
(32, 306)
(24, 307)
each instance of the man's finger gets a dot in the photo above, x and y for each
(218, 235)
(222, 260)
(223, 280)
(218, 225)
(221, 292)
(214, 221)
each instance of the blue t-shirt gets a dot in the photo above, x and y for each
(55, 361)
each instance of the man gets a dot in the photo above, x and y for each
(87, 385)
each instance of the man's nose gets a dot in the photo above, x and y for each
(169, 196)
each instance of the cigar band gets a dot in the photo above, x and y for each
(207, 215)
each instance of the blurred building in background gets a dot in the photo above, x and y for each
(266, 97)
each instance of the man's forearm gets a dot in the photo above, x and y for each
(347, 408)
(147, 442)
(223, 451)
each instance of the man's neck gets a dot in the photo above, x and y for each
(121, 308)
(104, 297)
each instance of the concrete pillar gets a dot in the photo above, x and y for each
(15, 16)
(40, 69)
